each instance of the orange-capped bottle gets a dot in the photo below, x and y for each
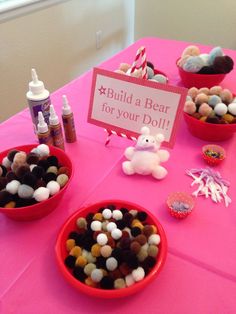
(68, 121)
(43, 132)
(55, 128)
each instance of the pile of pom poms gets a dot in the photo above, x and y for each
(29, 178)
(214, 105)
(125, 68)
(113, 248)
(214, 62)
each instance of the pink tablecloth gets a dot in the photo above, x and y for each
(200, 272)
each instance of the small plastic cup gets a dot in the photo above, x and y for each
(213, 154)
(180, 198)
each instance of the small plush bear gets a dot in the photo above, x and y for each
(145, 157)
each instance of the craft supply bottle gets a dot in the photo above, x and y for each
(38, 99)
(68, 121)
(43, 132)
(55, 128)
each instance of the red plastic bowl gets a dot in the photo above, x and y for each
(41, 209)
(209, 131)
(70, 225)
(199, 80)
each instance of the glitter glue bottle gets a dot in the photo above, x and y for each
(55, 128)
(68, 121)
(38, 99)
(43, 132)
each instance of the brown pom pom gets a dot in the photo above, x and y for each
(141, 239)
(207, 70)
(223, 64)
(213, 120)
(3, 183)
(135, 247)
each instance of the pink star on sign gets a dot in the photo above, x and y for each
(102, 90)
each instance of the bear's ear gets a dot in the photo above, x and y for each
(145, 130)
(160, 137)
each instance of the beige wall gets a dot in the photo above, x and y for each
(203, 21)
(59, 42)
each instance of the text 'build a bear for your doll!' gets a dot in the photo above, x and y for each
(145, 157)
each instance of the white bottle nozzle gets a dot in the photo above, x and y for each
(34, 76)
(66, 109)
(42, 126)
(36, 87)
(53, 118)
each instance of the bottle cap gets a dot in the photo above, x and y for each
(35, 86)
(66, 109)
(53, 118)
(42, 126)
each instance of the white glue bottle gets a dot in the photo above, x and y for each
(38, 99)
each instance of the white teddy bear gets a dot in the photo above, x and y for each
(145, 157)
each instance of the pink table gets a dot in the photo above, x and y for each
(200, 272)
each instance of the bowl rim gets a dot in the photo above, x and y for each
(199, 74)
(96, 292)
(199, 122)
(35, 206)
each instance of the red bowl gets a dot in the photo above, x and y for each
(209, 131)
(190, 79)
(41, 209)
(70, 225)
(180, 197)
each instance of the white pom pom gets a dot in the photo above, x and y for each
(116, 234)
(96, 225)
(138, 274)
(102, 239)
(111, 226)
(117, 214)
(41, 194)
(129, 280)
(25, 191)
(107, 214)
(43, 150)
(220, 109)
(53, 187)
(111, 263)
(97, 275)
(232, 108)
(160, 78)
(6, 162)
(13, 186)
(154, 239)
